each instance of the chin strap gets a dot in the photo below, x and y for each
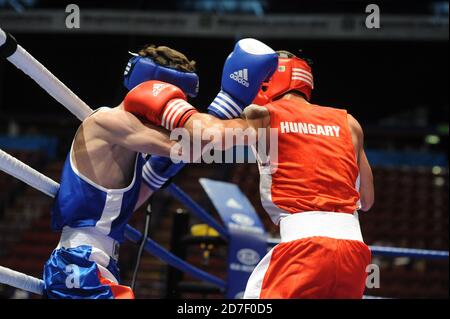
(142, 245)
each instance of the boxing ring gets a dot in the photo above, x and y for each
(14, 53)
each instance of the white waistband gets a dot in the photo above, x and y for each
(326, 224)
(89, 236)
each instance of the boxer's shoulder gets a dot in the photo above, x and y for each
(327, 108)
(107, 124)
(254, 111)
(108, 117)
(257, 114)
(354, 125)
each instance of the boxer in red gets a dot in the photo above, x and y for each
(313, 190)
(321, 179)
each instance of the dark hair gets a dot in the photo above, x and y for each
(287, 54)
(168, 57)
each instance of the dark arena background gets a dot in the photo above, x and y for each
(393, 79)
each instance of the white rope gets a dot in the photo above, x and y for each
(39, 73)
(21, 281)
(12, 166)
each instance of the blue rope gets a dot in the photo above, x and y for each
(408, 252)
(393, 251)
(196, 209)
(153, 248)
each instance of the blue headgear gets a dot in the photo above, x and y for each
(140, 69)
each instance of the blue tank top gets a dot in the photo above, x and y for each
(83, 203)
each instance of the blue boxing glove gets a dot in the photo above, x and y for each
(246, 68)
(158, 170)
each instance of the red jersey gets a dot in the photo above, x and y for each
(316, 169)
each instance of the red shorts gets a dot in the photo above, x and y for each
(315, 267)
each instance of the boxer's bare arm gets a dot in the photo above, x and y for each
(253, 118)
(366, 186)
(211, 130)
(122, 128)
(366, 189)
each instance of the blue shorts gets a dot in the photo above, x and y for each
(72, 273)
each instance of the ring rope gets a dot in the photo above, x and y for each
(197, 210)
(12, 166)
(19, 280)
(157, 250)
(50, 83)
(408, 252)
(394, 251)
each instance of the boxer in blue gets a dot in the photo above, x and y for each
(105, 178)
(106, 175)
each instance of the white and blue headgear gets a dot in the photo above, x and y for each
(140, 69)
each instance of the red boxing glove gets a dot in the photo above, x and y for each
(160, 103)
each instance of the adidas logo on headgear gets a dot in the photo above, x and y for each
(241, 76)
